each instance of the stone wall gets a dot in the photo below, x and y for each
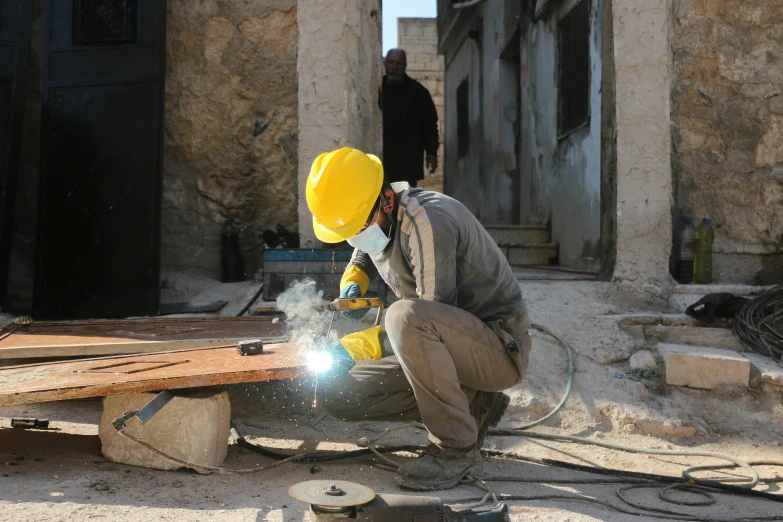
(419, 38)
(230, 126)
(727, 114)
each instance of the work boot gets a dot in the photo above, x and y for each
(487, 408)
(439, 468)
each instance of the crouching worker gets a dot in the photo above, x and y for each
(457, 337)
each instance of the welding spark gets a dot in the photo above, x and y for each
(319, 362)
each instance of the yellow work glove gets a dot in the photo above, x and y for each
(354, 275)
(363, 345)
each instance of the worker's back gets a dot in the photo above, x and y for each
(441, 252)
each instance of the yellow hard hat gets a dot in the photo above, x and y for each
(341, 191)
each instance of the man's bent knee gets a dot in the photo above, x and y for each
(403, 316)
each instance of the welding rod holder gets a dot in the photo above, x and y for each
(344, 304)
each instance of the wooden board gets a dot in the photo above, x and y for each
(147, 372)
(126, 336)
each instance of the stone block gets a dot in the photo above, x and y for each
(693, 335)
(679, 320)
(636, 319)
(701, 367)
(769, 371)
(194, 427)
(643, 359)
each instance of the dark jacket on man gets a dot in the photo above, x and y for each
(410, 129)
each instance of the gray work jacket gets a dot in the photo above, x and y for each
(440, 252)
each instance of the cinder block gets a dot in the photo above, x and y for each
(194, 427)
(701, 367)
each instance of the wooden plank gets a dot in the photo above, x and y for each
(148, 372)
(111, 337)
(88, 349)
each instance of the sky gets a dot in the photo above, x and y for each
(393, 9)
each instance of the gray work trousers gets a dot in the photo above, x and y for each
(442, 356)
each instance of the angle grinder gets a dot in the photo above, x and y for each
(332, 500)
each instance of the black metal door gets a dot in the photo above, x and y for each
(15, 24)
(98, 245)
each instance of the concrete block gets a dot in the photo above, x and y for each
(769, 371)
(693, 335)
(193, 427)
(701, 367)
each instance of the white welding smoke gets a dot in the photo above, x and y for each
(306, 320)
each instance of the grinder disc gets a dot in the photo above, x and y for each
(331, 493)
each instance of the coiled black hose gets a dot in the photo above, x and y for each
(759, 325)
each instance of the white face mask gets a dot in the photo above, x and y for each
(372, 240)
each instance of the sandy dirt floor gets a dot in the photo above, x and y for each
(61, 475)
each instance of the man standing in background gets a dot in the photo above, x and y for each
(410, 123)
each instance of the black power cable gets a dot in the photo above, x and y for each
(323, 456)
(759, 324)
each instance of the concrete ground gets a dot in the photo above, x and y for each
(59, 475)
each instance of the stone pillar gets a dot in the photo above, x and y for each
(339, 69)
(644, 177)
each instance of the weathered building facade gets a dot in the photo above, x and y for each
(254, 90)
(231, 125)
(727, 124)
(608, 119)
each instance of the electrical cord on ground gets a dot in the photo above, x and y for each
(687, 473)
(652, 479)
(313, 456)
(323, 456)
(759, 324)
(652, 513)
(569, 381)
